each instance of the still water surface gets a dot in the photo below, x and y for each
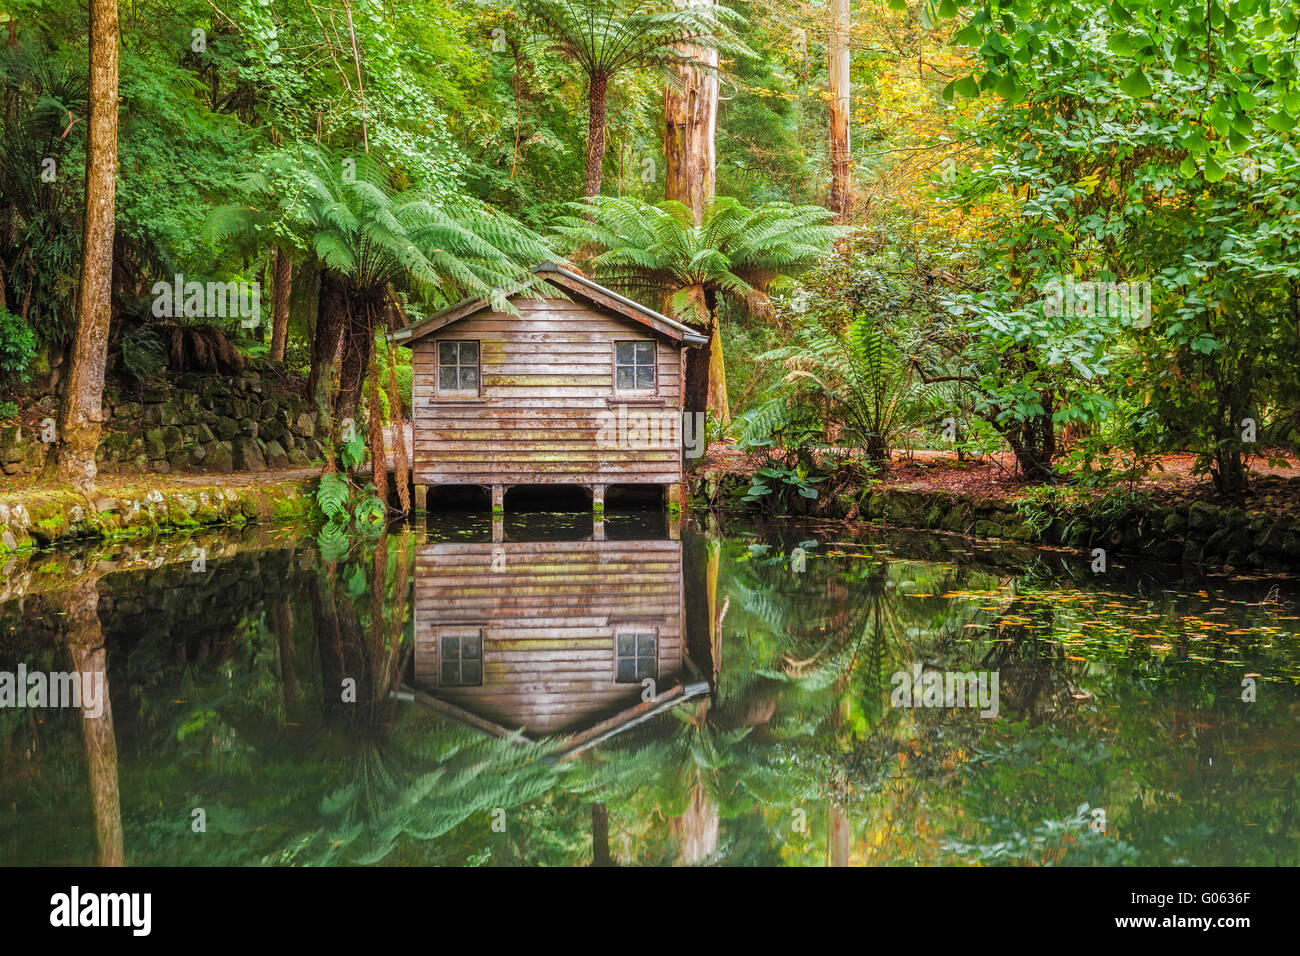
(645, 695)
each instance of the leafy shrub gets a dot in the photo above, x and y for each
(17, 347)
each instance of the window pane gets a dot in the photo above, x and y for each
(446, 353)
(624, 378)
(645, 645)
(447, 376)
(468, 353)
(645, 353)
(627, 645)
(450, 648)
(470, 649)
(645, 667)
(645, 377)
(471, 672)
(623, 352)
(469, 376)
(451, 673)
(626, 670)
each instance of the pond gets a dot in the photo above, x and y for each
(546, 692)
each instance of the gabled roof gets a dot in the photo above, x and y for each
(570, 282)
(677, 693)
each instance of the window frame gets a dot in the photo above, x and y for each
(637, 631)
(456, 393)
(651, 392)
(459, 633)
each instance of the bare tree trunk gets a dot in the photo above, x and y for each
(690, 161)
(81, 411)
(282, 280)
(690, 124)
(838, 56)
(597, 90)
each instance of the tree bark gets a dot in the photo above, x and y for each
(331, 324)
(690, 125)
(690, 171)
(838, 57)
(597, 90)
(282, 281)
(81, 411)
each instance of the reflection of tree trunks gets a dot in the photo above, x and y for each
(85, 641)
(699, 636)
(839, 830)
(697, 828)
(328, 638)
(600, 836)
(283, 620)
(711, 590)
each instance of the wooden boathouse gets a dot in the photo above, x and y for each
(579, 639)
(585, 388)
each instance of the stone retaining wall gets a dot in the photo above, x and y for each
(196, 423)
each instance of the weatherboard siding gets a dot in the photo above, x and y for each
(546, 391)
(549, 612)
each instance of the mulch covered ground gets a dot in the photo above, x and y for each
(1272, 489)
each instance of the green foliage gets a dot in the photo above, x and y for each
(658, 254)
(17, 347)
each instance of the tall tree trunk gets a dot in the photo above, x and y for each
(690, 171)
(719, 404)
(690, 123)
(597, 90)
(282, 281)
(838, 57)
(331, 325)
(81, 411)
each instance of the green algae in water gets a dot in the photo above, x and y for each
(1142, 719)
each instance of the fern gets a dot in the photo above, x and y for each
(332, 496)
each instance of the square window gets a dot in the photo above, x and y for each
(634, 366)
(635, 656)
(462, 658)
(458, 368)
